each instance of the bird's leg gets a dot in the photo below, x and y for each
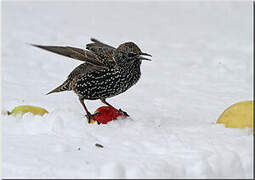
(104, 101)
(89, 115)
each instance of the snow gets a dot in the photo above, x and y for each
(202, 64)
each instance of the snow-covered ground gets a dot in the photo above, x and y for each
(202, 64)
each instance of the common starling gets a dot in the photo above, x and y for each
(106, 71)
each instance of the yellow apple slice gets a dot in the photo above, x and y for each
(239, 115)
(25, 109)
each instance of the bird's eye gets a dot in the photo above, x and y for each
(131, 54)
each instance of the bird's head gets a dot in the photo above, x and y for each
(129, 52)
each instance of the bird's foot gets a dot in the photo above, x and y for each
(123, 112)
(91, 118)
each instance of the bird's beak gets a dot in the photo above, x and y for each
(143, 58)
(145, 54)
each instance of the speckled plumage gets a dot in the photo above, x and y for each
(106, 71)
(105, 83)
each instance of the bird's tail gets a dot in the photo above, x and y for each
(63, 87)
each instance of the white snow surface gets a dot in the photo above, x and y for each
(202, 64)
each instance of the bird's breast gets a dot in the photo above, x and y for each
(106, 83)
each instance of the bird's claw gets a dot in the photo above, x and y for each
(91, 117)
(123, 112)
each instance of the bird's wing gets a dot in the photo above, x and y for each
(99, 43)
(75, 53)
(104, 51)
(82, 69)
